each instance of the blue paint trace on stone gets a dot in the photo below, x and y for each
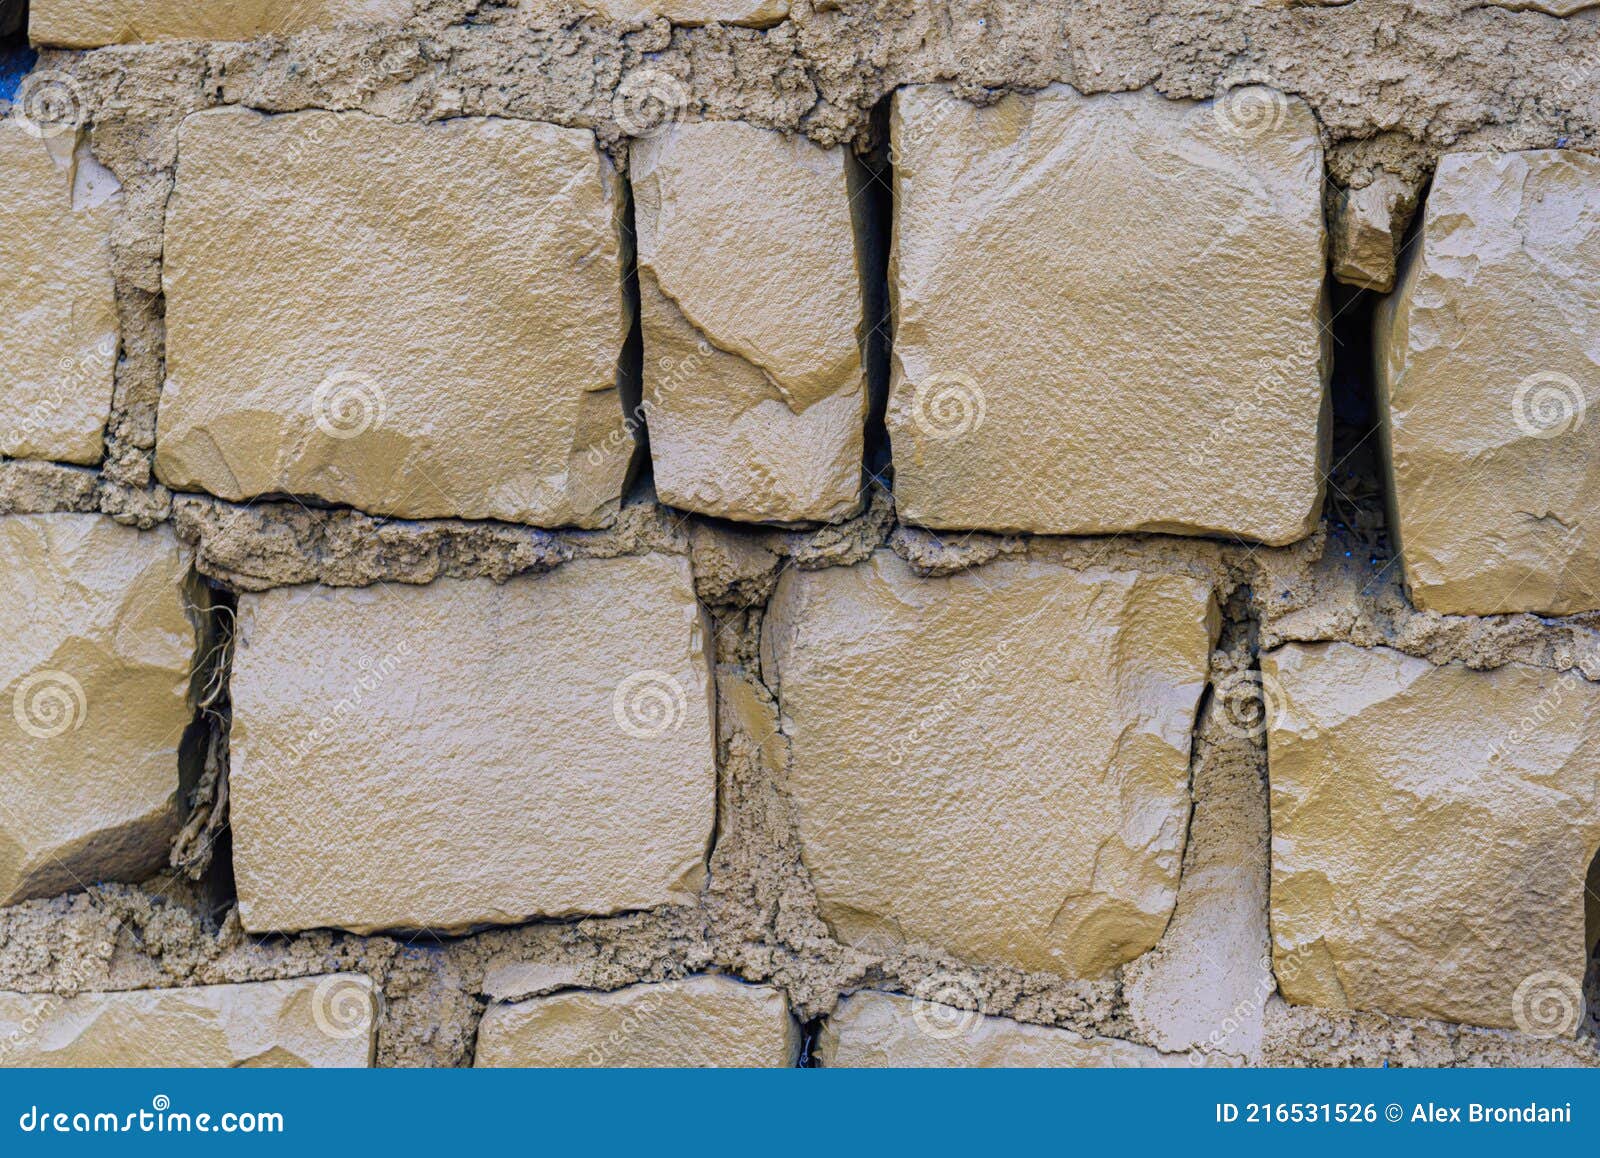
(16, 61)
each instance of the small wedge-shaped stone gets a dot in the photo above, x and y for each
(471, 753)
(995, 763)
(1108, 314)
(700, 1021)
(91, 23)
(98, 644)
(415, 319)
(310, 1021)
(1431, 831)
(752, 317)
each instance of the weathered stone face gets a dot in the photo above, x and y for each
(1431, 828)
(95, 661)
(90, 23)
(754, 13)
(1109, 311)
(58, 317)
(1366, 225)
(901, 795)
(311, 1021)
(701, 1021)
(751, 315)
(428, 323)
(1488, 360)
(469, 753)
(883, 1030)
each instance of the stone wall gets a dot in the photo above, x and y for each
(866, 533)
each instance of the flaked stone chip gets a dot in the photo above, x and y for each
(700, 1021)
(1431, 832)
(994, 764)
(415, 319)
(1488, 356)
(883, 1030)
(1109, 314)
(91, 23)
(752, 318)
(469, 753)
(96, 656)
(58, 313)
(327, 1021)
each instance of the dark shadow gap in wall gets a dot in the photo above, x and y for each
(1355, 506)
(17, 58)
(203, 850)
(872, 210)
(630, 363)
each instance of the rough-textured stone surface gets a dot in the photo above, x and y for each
(883, 1030)
(312, 1021)
(468, 753)
(900, 796)
(701, 1021)
(753, 13)
(58, 320)
(1108, 310)
(752, 322)
(341, 359)
(89, 23)
(1489, 360)
(1431, 829)
(1365, 227)
(95, 661)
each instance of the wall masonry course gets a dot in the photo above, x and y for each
(899, 797)
(1109, 309)
(752, 320)
(91, 23)
(1488, 361)
(316, 270)
(1431, 830)
(699, 1021)
(468, 753)
(58, 318)
(312, 1021)
(96, 658)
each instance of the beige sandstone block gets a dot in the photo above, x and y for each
(1108, 314)
(1365, 227)
(754, 13)
(926, 716)
(91, 23)
(310, 1021)
(58, 315)
(415, 319)
(468, 753)
(1431, 828)
(95, 660)
(1488, 356)
(883, 1030)
(701, 1021)
(752, 321)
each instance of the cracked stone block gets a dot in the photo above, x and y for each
(900, 795)
(1365, 227)
(883, 1030)
(470, 753)
(1431, 830)
(92, 23)
(752, 318)
(751, 13)
(310, 1021)
(1488, 358)
(58, 313)
(700, 1021)
(100, 638)
(419, 320)
(1109, 310)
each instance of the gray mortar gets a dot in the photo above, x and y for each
(1393, 85)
